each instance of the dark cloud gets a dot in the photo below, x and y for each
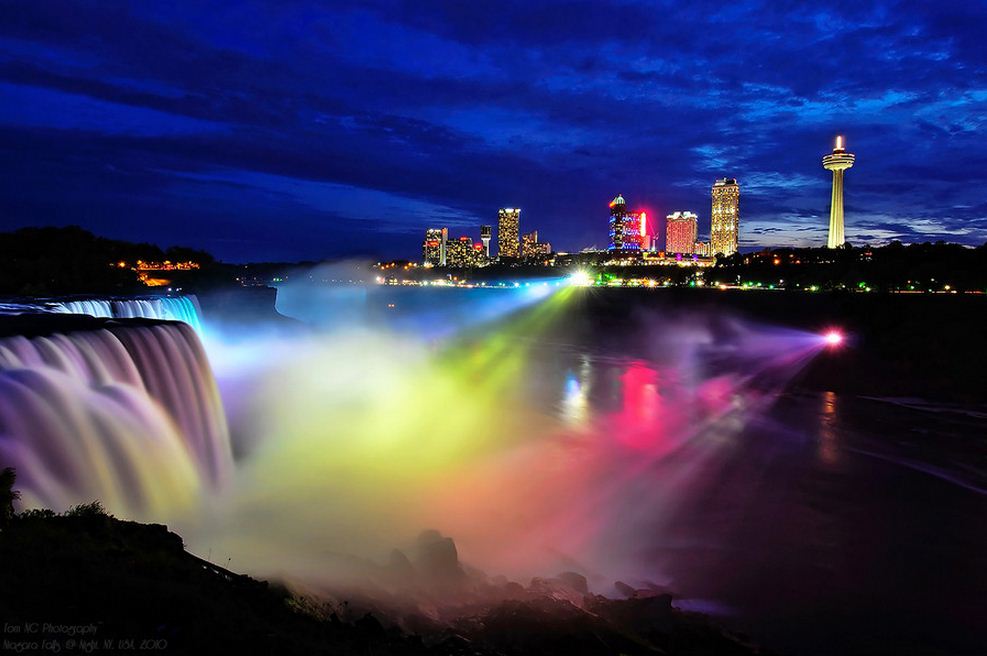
(327, 129)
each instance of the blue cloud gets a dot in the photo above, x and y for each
(156, 117)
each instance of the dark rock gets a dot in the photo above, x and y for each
(400, 569)
(638, 615)
(555, 589)
(438, 558)
(624, 589)
(548, 627)
(575, 580)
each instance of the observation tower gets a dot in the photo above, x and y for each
(837, 161)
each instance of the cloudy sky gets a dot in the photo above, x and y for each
(288, 130)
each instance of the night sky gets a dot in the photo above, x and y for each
(290, 130)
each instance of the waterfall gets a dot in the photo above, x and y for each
(173, 308)
(92, 307)
(129, 415)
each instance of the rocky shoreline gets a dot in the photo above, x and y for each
(134, 581)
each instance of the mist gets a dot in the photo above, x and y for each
(478, 414)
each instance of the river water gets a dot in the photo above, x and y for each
(817, 523)
(668, 449)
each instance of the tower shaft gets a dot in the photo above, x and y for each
(836, 238)
(837, 161)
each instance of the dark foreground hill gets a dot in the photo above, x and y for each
(85, 579)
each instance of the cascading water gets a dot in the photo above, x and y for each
(174, 308)
(178, 308)
(92, 307)
(126, 414)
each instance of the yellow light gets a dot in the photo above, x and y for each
(839, 142)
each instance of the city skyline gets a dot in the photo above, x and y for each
(306, 131)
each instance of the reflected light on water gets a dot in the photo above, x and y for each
(829, 452)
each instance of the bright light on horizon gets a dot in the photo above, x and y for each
(581, 279)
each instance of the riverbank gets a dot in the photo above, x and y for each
(85, 576)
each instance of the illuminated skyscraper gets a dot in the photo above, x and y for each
(681, 232)
(532, 249)
(464, 254)
(508, 227)
(528, 242)
(479, 257)
(627, 229)
(485, 233)
(724, 217)
(618, 210)
(635, 230)
(434, 246)
(837, 161)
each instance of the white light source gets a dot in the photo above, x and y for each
(580, 279)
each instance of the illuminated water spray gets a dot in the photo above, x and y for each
(534, 453)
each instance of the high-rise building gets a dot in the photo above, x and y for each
(680, 233)
(479, 257)
(485, 233)
(541, 249)
(508, 227)
(703, 249)
(434, 246)
(627, 229)
(618, 211)
(532, 249)
(528, 243)
(724, 229)
(837, 161)
(462, 253)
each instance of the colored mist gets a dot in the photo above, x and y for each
(402, 410)
(666, 450)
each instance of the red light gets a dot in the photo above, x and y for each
(833, 338)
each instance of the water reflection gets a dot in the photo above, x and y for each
(574, 408)
(829, 452)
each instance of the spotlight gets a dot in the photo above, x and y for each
(581, 279)
(833, 338)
